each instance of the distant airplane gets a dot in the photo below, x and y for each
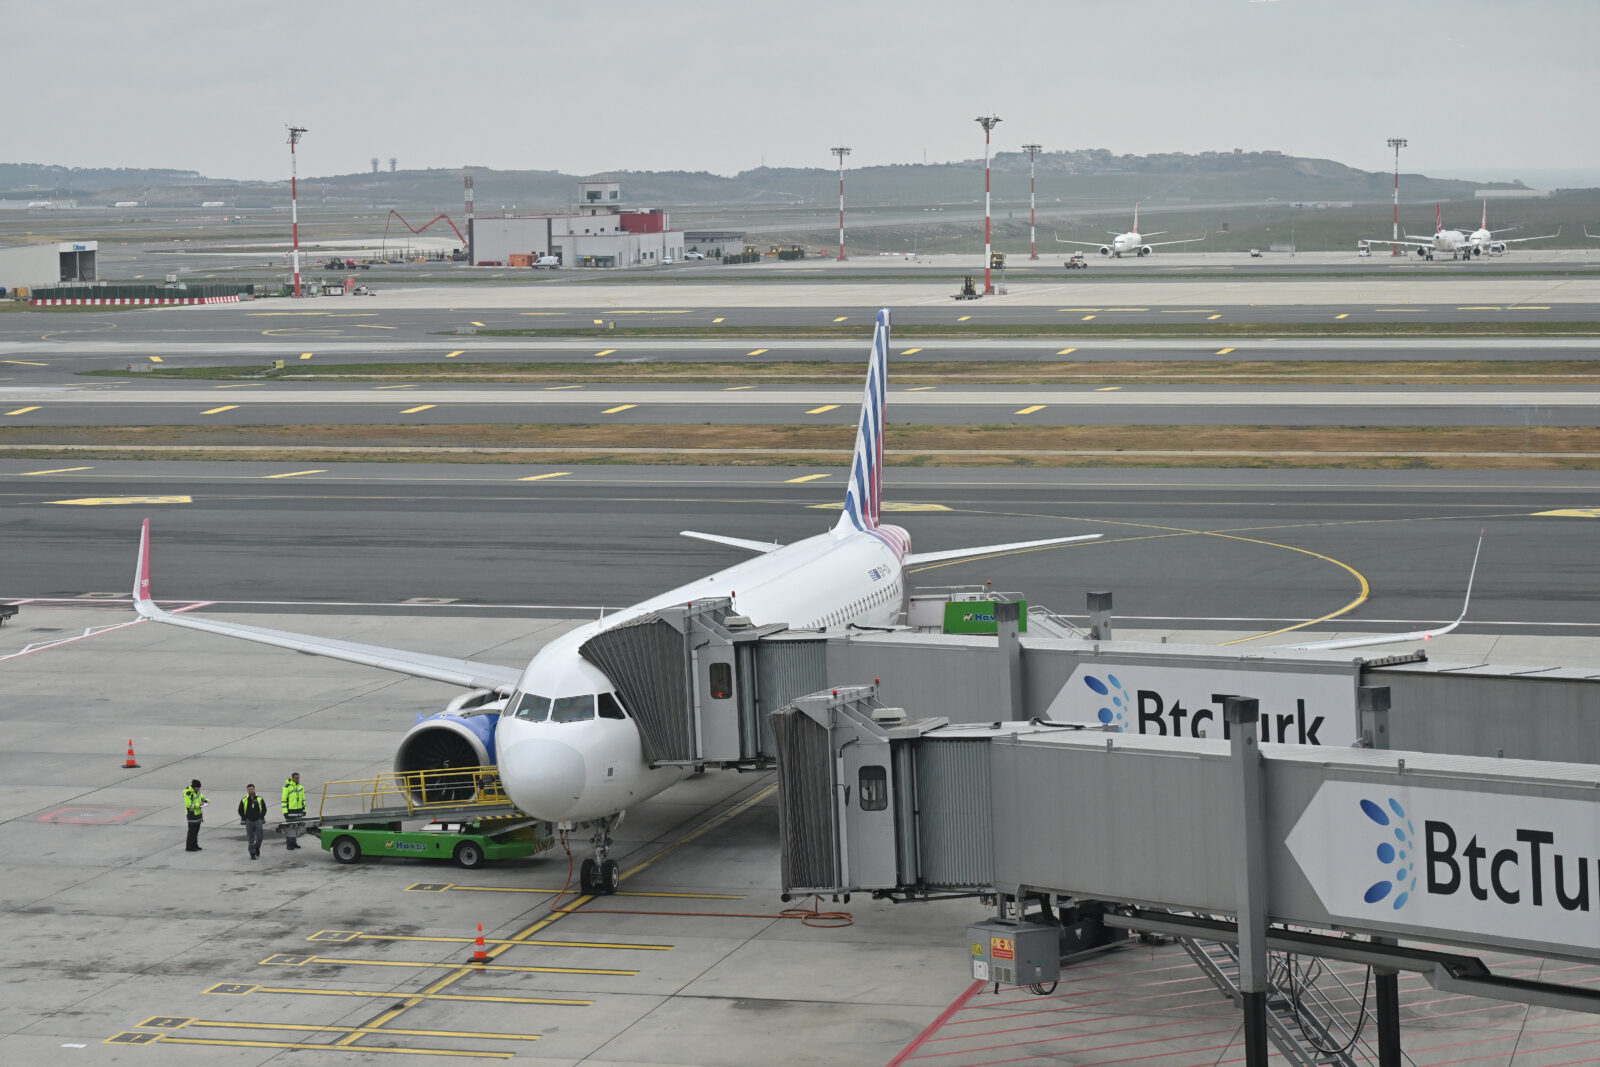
(1484, 242)
(1132, 242)
(568, 748)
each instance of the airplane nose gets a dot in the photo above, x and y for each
(543, 777)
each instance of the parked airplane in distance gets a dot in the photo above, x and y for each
(568, 748)
(1484, 242)
(1132, 242)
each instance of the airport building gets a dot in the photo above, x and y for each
(46, 263)
(601, 233)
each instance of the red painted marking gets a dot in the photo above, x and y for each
(944, 1016)
(100, 816)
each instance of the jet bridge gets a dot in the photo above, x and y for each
(1253, 855)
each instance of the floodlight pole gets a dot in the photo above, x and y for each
(1033, 241)
(988, 122)
(295, 133)
(841, 151)
(1396, 143)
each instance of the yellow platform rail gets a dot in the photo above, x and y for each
(416, 794)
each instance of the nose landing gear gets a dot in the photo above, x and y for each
(601, 875)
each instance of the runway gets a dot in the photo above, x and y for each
(1233, 550)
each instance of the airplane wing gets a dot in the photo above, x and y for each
(1414, 635)
(1181, 241)
(462, 672)
(1519, 240)
(1086, 244)
(735, 542)
(914, 558)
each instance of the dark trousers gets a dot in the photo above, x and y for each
(252, 835)
(193, 842)
(291, 826)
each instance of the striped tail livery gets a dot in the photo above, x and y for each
(861, 499)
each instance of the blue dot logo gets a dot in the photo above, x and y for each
(1113, 712)
(1399, 873)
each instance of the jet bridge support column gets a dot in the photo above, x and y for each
(1242, 714)
(1007, 621)
(1372, 707)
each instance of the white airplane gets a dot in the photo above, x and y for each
(1132, 242)
(1483, 240)
(567, 749)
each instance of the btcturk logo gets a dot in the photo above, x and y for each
(1112, 714)
(1402, 880)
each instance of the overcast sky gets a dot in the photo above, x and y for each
(1481, 88)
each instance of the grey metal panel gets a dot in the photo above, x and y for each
(647, 659)
(955, 677)
(954, 832)
(1517, 716)
(807, 835)
(784, 670)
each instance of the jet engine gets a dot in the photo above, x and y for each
(462, 735)
(1477, 250)
(1145, 250)
(1105, 250)
(1497, 248)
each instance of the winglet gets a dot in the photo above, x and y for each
(1415, 635)
(141, 577)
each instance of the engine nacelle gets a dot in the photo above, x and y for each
(1145, 250)
(1105, 250)
(1477, 250)
(1497, 248)
(1424, 250)
(460, 736)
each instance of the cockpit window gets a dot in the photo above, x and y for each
(531, 707)
(573, 709)
(610, 707)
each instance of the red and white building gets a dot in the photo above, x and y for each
(601, 233)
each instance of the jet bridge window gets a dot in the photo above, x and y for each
(532, 708)
(573, 709)
(721, 681)
(874, 788)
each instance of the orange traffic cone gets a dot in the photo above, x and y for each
(478, 954)
(130, 762)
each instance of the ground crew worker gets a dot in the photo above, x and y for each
(194, 803)
(253, 813)
(294, 808)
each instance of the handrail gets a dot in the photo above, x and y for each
(417, 793)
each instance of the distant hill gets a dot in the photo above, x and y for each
(1081, 175)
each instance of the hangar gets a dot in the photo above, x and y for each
(46, 263)
(601, 233)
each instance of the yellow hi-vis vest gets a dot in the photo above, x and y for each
(294, 796)
(193, 800)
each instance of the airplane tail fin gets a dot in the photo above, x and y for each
(1484, 225)
(1136, 218)
(1438, 219)
(866, 464)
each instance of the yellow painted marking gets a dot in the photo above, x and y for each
(736, 388)
(557, 388)
(1127, 309)
(605, 352)
(388, 994)
(620, 892)
(755, 352)
(599, 322)
(1030, 410)
(1361, 597)
(26, 363)
(716, 320)
(218, 411)
(295, 474)
(1213, 316)
(1527, 307)
(457, 352)
(319, 1028)
(804, 478)
(344, 961)
(157, 359)
(233, 1043)
(91, 501)
(477, 324)
(909, 351)
(419, 407)
(1077, 309)
(542, 477)
(24, 411)
(1086, 318)
(619, 407)
(1342, 315)
(1480, 307)
(508, 941)
(307, 355)
(58, 470)
(921, 388)
(841, 318)
(885, 506)
(964, 318)
(369, 326)
(1108, 388)
(1223, 351)
(819, 411)
(410, 386)
(1573, 513)
(241, 385)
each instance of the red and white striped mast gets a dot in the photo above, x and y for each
(841, 151)
(988, 122)
(1396, 143)
(1033, 241)
(295, 133)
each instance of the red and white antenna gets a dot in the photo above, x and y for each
(841, 151)
(1396, 143)
(1033, 241)
(988, 122)
(295, 133)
